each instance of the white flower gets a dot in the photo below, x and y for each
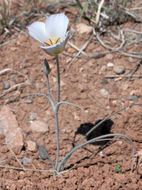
(52, 34)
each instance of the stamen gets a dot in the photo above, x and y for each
(51, 41)
(57, 40)
(47, 44)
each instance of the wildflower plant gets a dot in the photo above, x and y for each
(53, 36)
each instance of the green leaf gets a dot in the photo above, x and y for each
(118, 168)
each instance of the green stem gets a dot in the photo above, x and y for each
(79, 3)
(58, 75)
(56, 111)
(48, 87)
(57, 137)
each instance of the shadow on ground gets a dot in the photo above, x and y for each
(103, 129)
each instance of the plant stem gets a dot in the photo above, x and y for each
(48, 87)
(56, 111)
(57, 137)
(79, 4)
(58, 75)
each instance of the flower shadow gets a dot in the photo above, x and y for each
(103, 129)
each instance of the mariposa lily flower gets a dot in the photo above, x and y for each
(52, 34)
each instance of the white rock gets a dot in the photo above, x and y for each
(109, 56)
(26, 161)
(84, 28)
(33, 116)
(31, 146)
(39, 126)
(119, 69)
(104, 92)
(109, 64)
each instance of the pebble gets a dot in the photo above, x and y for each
(133, 98)
(109, 64)
(104, 81)
(119, 69)
(109, 56)
(104, 92)
(39, 126)
(31, 146)
(6, 84)
(137, 93)
(26, 161)
(132, 60)
(33, 116)
(29, 100)
(84, 28)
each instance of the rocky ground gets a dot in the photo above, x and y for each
(101, 81)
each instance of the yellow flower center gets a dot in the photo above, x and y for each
(52, 42)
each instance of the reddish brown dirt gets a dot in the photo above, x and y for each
(80, 84)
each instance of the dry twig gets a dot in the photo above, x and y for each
(99, 11)
(75, 47)
(122, 76)
(9, 69)
(14, 87)
(15, 156)
(81, 49)
(107, 46)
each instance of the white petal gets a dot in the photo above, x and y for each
(57, 48)
(56, 25)
(37, 31)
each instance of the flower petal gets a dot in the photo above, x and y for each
(37, 31)
(56, 25)
(57, 48)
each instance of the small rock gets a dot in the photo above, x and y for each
(119, 69)
(9, 128)
(71, 50)
(109, 56)
(29, 100)
(33, 116)
(26, 161)
(84, 28)
(104, 81)
(65, 130)
(21, 40)
(76, 117)
(39, 126)
(109, 64)
(104, 92)
(137, 93)
(82, 88)
(132, 60)
(133, 92)
(31, 146)
(114, 102)
(102, 70)
(13, 48)
(4, 149)
(133, 98)
(6, 84)
(62, 83)
(101, 154)
(54, 79)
